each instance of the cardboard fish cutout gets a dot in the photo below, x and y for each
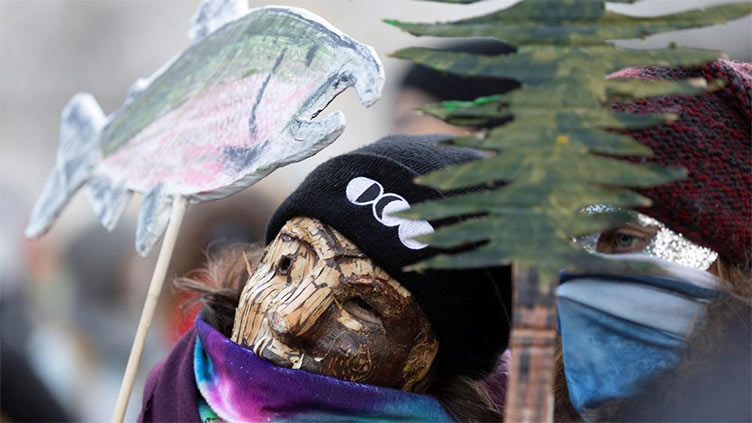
(234, 106)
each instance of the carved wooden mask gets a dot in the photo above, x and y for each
(315, 302)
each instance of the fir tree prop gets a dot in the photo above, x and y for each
(556, 156)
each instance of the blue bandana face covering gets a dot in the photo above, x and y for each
(619, 330)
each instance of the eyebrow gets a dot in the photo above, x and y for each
(303, 239)
(295, 237)
(328, 239)
(348, 255)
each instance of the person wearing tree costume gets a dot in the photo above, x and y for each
(676, 346)
(328, 325)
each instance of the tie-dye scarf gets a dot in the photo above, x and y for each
(237, 385)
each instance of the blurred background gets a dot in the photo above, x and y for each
(70, 302)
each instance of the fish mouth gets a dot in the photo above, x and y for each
(369, 78)
(367, 93)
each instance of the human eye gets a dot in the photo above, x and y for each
(625, 240)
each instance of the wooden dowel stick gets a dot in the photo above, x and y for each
(150, 306)
(530, 394)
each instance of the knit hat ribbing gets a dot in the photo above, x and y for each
(353, 193)
(713, 206)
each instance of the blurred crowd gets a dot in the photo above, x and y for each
(69, 308)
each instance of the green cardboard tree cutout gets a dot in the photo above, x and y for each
(557, 155)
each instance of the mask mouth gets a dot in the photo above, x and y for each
(282, 349)
(297, 358)
(276, 359)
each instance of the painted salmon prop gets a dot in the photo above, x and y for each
(234, 106)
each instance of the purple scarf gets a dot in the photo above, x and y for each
(236, 385)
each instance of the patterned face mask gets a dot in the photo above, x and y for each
(647, 236)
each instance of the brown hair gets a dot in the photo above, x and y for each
(737, 279)
(218, 288)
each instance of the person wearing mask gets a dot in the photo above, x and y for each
(327, 324)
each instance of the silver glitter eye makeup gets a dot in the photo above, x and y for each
(665, 244)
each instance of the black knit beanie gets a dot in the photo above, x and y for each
(353, 193)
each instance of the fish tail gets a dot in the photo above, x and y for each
(77, 155)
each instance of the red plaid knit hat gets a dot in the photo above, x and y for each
(712, 207)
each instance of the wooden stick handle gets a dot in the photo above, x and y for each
(150, 306)
(530, 394)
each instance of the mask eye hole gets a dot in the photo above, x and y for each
(283, 265)
(361, 310)
(626, 240)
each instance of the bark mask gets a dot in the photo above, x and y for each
(357, 193)
(317, 303)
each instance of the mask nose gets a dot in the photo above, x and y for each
(281, 323)
(298, 312)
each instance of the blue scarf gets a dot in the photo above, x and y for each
(619, 330)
